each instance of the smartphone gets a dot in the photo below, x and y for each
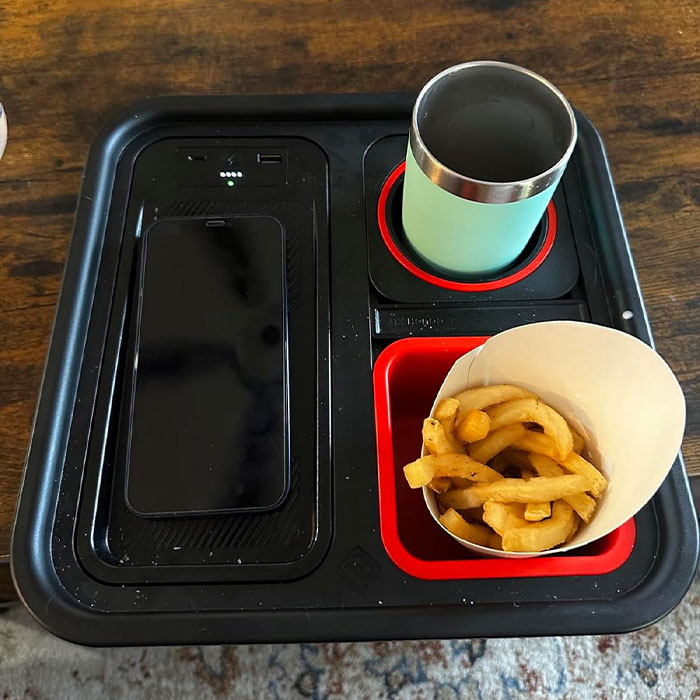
(208, 428)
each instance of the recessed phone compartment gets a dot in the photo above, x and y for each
(205, 457)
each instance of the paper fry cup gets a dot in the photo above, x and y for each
(611, 387)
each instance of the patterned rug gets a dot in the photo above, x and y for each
(662, 661)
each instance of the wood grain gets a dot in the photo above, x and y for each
(633, 67)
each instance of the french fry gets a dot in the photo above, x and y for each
(582, 503)
(472, 532)
(578, 465)
(537, 537)
(543, 465)
(420, 472)
(532, 409)
(446, 413)
(541, 488)
(579, 442)
(539, 442)
(436, 440)
(574, 529)
(424, 470)
(474, 426)
(497, 440)
(574, 463)
(536, 442)
(440, 484)
(482, 396)
(537, 511)
(457, 446)
(506, 469)
(504, 516)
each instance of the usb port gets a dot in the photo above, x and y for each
(268, 158)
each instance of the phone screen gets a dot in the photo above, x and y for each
(209, 423)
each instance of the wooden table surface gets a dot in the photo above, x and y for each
(632, 67)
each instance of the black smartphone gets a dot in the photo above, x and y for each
(208, 429)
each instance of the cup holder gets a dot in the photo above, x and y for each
(391, 229)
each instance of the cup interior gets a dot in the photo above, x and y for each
(494, 123)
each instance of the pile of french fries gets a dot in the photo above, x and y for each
(508, 470)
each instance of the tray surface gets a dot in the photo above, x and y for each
(95, 573)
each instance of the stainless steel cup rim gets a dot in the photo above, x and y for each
(483, 190)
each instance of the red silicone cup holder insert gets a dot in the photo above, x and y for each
(407, 376)
(500, 283)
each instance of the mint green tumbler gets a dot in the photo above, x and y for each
(488, 144)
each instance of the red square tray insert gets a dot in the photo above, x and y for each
(407, 376)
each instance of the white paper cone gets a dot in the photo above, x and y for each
(611, 387)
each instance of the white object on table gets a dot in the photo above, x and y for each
(3, 130)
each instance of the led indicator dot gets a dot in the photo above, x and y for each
(230, 183)
(222, 174)
(239, 173)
